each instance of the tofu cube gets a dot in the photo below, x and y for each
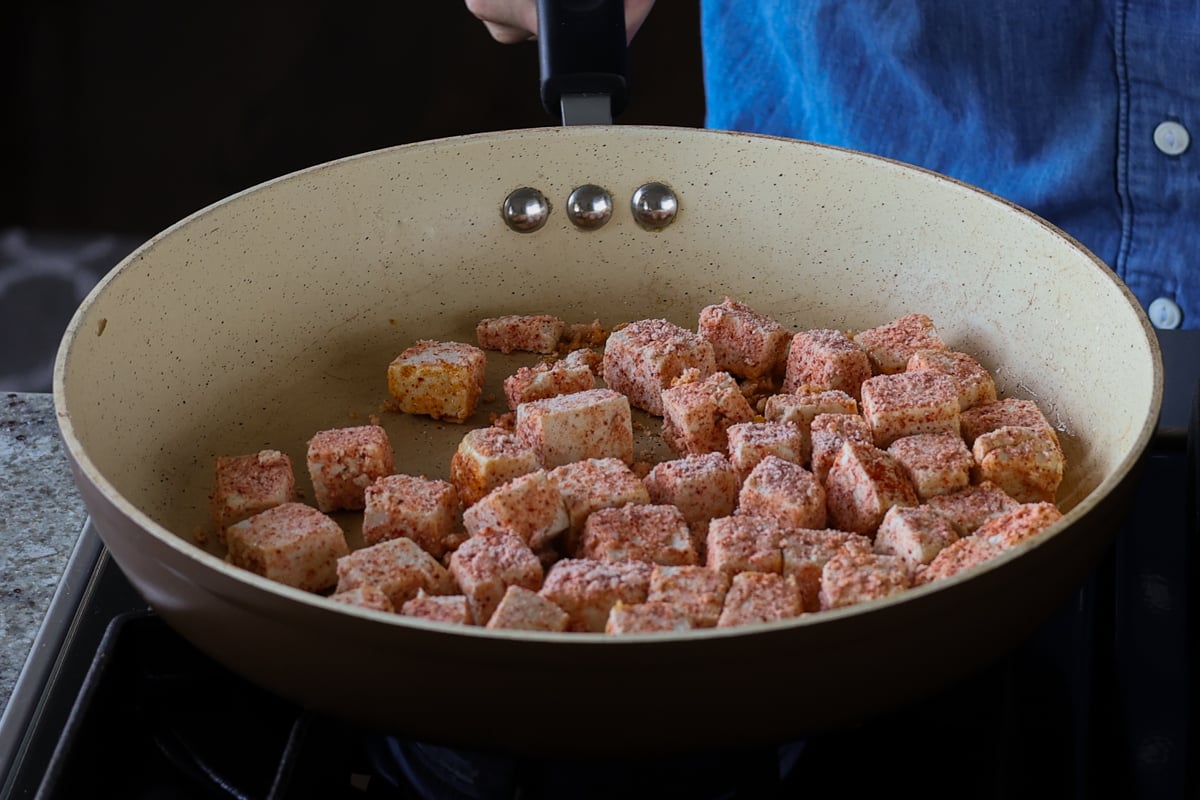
(744, 543)
(759, 597)
(545, 380)
(365, 596)
(969, 508)
(697, 414)
(697, 591)
(751, 442)
(917, 535)
(936, 463)
(829, 432)
(648, 617)
(745, 343)
(440, 379)
(247, 485)
(532, 333)
(487, 564)
(487, 458)
(890, 346)
(862, 485)
(785, 492)
(802, 407)
(343, 462)
(703, 487)
(523, 610)
(967, 553)
(587, 486)
(805, 553)
(645, 357)
(529, 506)
(1008, 412)
(909, 403)
(450, 608)
(657, 534)
(573, 427)
(587, 590)
(1019, 523)
(824, 360)
(852, 577)
(975, 384)
(423, 509)
(1027, 463)
(397, 567)
(292, 544)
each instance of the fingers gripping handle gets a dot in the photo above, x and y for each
(583, 54)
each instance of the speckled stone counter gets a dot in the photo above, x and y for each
(41, 516)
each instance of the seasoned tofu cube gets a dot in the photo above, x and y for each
(523, 610)
(246, 485)
(587, 590)
(805, 552)
(824, 360)
(862, 485)
(975, 384)
(343, 462)
(969, 508)
(423, 509)
(1027, 463)
(547, 379)
(293, 544)
(365, 596)
(397, 567)
(967, 553)
(852, 577)
(829, 432)
(440, 379)
(1010, 411)
(645, 357)
(936, 463)
(785, 492)
(697, 414)
(703, 487)
(640, 532)
(587, 486)
(487, 458)
(450, 608)
(529, 506)
(917, 535)
(751, 442)
(759, 597)
(532, 333)
(744, 543)
(487, 564)
(745, 343)
(802, 407)
(908, 403)
(697, 591)
(1019, 523)
(890, 346)
(592, 424)
(648, 617)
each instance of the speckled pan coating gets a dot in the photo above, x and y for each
(274, 314)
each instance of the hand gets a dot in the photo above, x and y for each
(511, 21)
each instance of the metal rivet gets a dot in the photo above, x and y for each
(590, 206)
(654, 206)
(525, 210)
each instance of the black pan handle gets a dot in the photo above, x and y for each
(582, 48)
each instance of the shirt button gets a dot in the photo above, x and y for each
(1171, 138)
(1165, 314)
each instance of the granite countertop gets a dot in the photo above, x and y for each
(42, 517)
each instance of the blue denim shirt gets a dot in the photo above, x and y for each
(1078, 111)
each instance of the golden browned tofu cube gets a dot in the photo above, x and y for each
(1019, 523)
(548, 379)
(247, 485)
(645, 357)
(365, 596)
(529, 506)
(703, 487)
(440, 379)
(785, 492)
(829, 432)
(802, 407)
(397, 567)
(698, 591)
(936, 463)
(530, 333)
(523, 610)
(852, 577)
(745, 343)
(423, 509)
(640, 532)
(744, 543)
(587, 486)
(487, 458)
(487, 564)
(917, 535)
(587, 590)
(975, 384)
(648, 617)
(751, 442)
(759, 597)
(343, 462)
(891, 345)
(293, 544)
(1026, 463)
(573, 427)
(908, 403)
(1010, 411)
(698, 414)
(862, 485)
(449, 608)
(825, 360)
(969, 508)
(805, 552)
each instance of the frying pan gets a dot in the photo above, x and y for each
(274, 313)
